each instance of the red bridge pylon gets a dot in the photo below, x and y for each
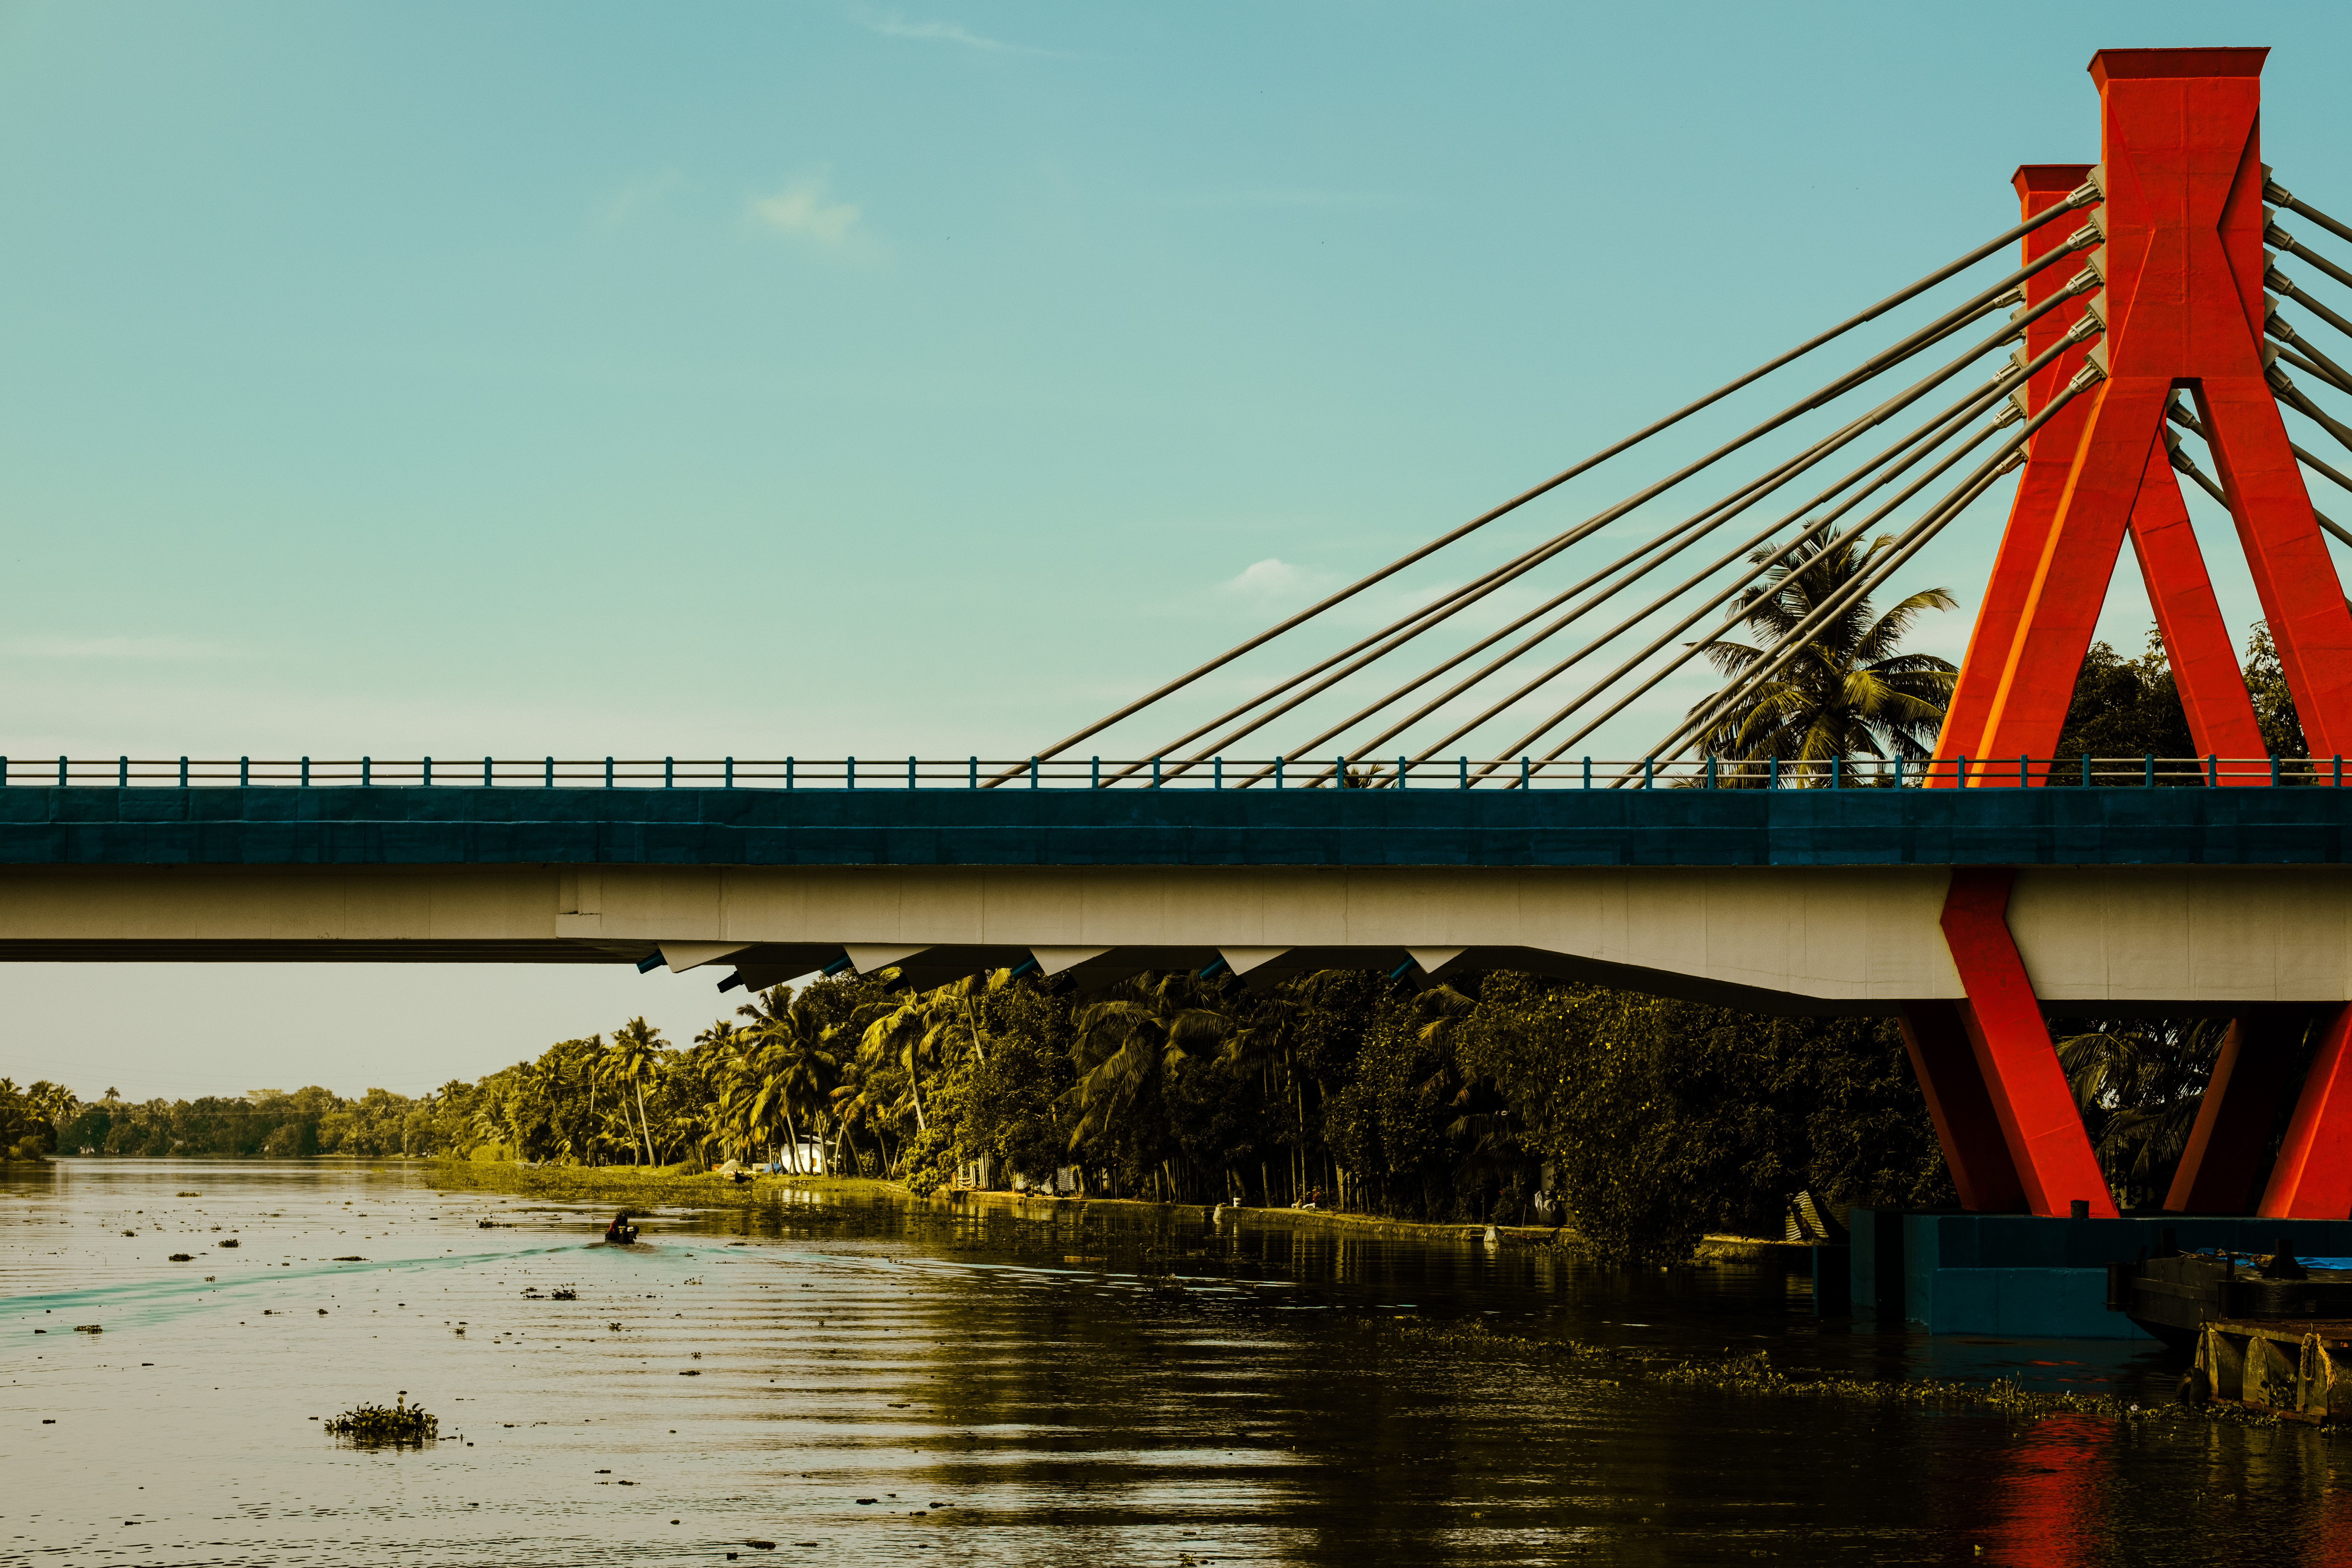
(2184, 306)
(2183, 300)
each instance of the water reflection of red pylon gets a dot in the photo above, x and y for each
(2047, 1504)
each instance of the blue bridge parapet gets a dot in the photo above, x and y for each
(414, 825)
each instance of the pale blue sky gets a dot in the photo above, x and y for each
(820, 378)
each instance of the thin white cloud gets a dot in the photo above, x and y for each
(626, 202)
(943, 33)
(167, 648)
(806, 211)
(1267, 578)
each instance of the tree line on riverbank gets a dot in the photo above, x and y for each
(1657, 1120)
(1650, 1120)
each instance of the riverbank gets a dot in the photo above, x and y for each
(1048, 1205)
(639, 1186)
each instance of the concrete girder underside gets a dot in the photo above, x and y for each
(1814, 940)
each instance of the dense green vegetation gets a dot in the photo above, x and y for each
(2131, 707)
(1658, 1120)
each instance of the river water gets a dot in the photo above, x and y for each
(854, 1381)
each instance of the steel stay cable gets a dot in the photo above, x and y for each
(2085, 196)
(1782, 654)
(2295, 397)
(2188, 465)
(2274, 192)
(1387, 640)
(1651, 682)
(2288, 289)
(2303, 359)
(1966, 408)
(1679, 537)
(1756, 569)
(1908, 543)
(1673, 541)
(1398, 632)
(1404, 629)
(1764, 564)
(2311, 461)
(2279, 239)
(1927, 438)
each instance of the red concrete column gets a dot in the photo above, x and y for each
(2049, 457)
(2039, 1122)
(2293, 572)
(2183, 303)
(2226, 1146)
(2070, 585)
(1937, 1040)
(2313, 1177)
(2196, 639)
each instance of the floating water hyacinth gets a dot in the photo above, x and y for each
(374, 1425)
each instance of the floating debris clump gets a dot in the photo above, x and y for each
(375, 1426)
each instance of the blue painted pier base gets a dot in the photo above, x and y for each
(2018, 1276)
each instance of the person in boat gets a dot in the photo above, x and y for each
(620, 1232)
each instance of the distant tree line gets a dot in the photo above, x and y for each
(266, 1123)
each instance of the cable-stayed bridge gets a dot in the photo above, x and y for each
(1421, 795)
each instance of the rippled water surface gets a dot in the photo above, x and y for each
(850, 1379)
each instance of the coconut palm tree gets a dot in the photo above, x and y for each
(922, 1027)
(1849, 692)
(631, 1061)
(783, 1061)
(1147, 1024)
(2139, 1082)
(872, 1093)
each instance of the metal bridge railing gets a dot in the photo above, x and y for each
(1152, 773)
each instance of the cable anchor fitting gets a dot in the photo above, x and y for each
(2086, 194)
(2178, 453)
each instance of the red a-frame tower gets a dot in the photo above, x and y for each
(2184, 306)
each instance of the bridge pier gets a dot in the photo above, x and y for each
(2050, 1162)
(1943, 1060)
(2313, 1176)
(2223, 1159)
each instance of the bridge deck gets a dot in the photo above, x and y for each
(412, 826)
